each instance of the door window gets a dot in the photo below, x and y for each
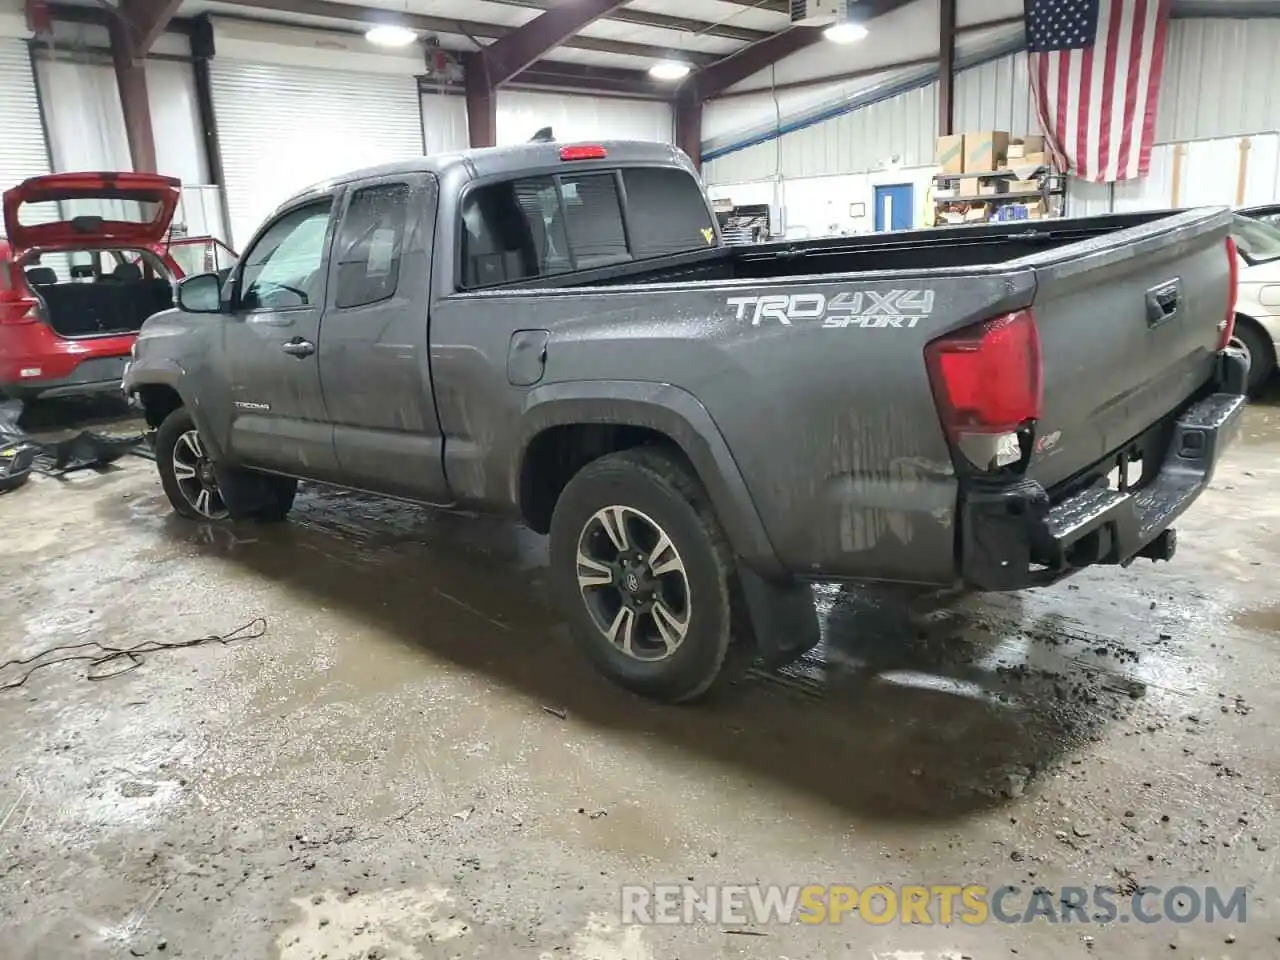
(369, 245)
(285, 267)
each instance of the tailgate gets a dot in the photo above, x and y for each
(1129, 326)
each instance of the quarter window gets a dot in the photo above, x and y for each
(285, 268)
(369, 245)
(666, 212)
(541, 226)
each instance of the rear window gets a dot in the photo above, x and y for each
(89, 210)
(667, 212)
(542, 226)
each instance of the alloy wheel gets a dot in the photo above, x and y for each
(193, 471)
(634, 583)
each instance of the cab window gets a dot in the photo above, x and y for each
(666, 212)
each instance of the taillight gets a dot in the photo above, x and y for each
(1233, 280)
(987, 383)
(583, 152)
(19, 311)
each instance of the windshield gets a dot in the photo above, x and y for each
(1257, 242)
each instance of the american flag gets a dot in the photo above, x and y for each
(1095, 81)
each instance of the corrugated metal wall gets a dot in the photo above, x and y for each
(1221, 79)
(902, 128)
(995, 96)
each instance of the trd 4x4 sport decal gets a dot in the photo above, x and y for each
(901, 309)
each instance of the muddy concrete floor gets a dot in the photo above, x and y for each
(411, 762)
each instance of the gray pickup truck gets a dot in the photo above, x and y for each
(556, 332)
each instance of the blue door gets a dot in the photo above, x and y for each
(894, 207)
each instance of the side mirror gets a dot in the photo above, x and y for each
(200, 294)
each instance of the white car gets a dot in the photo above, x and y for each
(1258, 296)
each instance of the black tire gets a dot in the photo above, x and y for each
(656, 486)
(1261, 354)
(237, 494)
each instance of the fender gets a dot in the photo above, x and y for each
(164, 372)
(677, 414)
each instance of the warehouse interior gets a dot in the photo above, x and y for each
(367, 732)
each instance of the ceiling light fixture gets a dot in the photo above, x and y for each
(669, 70)
(845, 32)
(390, 35)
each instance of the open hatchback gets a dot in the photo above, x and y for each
(88, 261)
(67, 210)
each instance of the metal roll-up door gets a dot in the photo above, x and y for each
(282, 128)
(23, 151)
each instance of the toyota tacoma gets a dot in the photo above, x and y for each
(557, 332)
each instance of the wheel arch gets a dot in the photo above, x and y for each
(567, 425)
(162, 391)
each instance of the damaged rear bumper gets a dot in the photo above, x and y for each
(1019, 537)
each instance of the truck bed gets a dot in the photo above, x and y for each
(933, 250)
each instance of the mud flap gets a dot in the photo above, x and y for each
(783, 617)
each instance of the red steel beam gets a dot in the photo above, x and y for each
(506, 57)
(147, 19)
(131, 80)
(713, 80)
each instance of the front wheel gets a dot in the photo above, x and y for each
(199, 488)
(644, 573)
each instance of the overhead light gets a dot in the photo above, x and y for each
(845, 32)
(669, 70)
(389, 35)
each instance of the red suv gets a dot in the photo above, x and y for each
(88, 257)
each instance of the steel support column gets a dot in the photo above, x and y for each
(131, 81)
(688, 121)
(946, 66)
(482, 103)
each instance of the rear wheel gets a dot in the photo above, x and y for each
(199, 488)
(644, 574)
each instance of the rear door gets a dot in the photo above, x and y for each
(375, 365)
(272, 344)
(90, 209)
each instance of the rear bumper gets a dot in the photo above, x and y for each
(1016, 537)
(93, 375)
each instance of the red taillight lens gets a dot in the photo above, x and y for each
(1233, 281)
(583, 153)
(986, 378)
(19, 311)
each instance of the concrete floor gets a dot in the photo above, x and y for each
(413, 763)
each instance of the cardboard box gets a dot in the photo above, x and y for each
(944, 194)
(1032, 160)
(990, 188)
(985, 150)
(1023, 186)
(1035, 209)
(969, 187)
(950, 154)
(975, 213)
(1022, 146)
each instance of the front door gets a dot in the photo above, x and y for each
(278, 416)
(894, 206)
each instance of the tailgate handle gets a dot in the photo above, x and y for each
(1163, 301)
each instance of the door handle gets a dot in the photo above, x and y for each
(297, 347)
(1163, 302)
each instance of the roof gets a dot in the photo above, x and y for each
(496, 161)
